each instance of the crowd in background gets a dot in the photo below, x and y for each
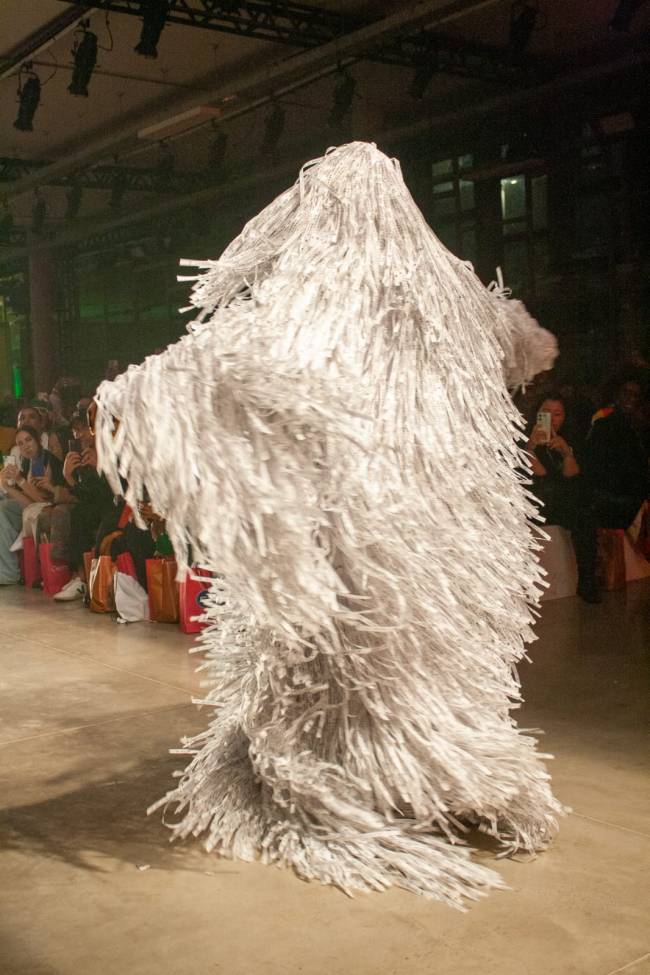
(589, 452)
(52, 492)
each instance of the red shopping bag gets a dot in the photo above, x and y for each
(126, 565)
(192, 600)
(55, 575)
(163, 590)
(32, 567)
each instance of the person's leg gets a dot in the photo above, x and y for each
(59, 533)
(584, 533)
(44, 524)
(30, 519)
(577, 518)
(11, 522)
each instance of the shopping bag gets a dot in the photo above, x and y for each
(100, 585)
(131, 600)
(163, 590)
(611, 558)
(55, 574)
(126, 566)
(192, 594)
(32, 567)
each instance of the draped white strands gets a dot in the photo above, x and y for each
(335, 437)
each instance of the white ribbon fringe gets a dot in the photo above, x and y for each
(336, 438)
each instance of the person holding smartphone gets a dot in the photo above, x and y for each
(558, 485)
(82, 502)
(28, 483)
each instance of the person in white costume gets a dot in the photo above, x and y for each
(335, 437)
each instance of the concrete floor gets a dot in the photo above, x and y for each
(90, 885)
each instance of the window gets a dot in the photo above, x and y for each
(524, 216)
(453, 208)
(513, 198)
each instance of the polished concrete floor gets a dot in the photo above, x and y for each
(90, 886)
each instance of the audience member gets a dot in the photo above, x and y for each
(28, 483)
(558, 485)
(83, 504)
(36, 417)
(615, 462)
(64, 397)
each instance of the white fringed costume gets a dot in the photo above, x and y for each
(335, 437)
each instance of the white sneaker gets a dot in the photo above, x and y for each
(74, 589)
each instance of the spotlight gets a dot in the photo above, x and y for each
(29, 98)
(625, 12)
(84, 53)
(523, 17)
(153, 22)
(73, 200)
(273, 129)
(342, 99)
(39, 213)
(217, 150)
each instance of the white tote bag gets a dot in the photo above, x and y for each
(131, 600)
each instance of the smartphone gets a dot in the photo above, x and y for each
(38, 466)
(544, 423)
(74, 447)
(10, 461)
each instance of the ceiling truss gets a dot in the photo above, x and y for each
(307, 27)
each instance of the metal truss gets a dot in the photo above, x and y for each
(308, 27)
(124, 178)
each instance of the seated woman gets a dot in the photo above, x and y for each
(557, 484)
(82, 504)
(28, 484)
(36, 415)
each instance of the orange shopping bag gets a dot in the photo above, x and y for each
(100, 585)
(163, 590)
(611, 558)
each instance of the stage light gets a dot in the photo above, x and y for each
(523, 17)
(73, 200)
(622, 19)
(273, 129)
(342, 99)
(153, 22)
(84, 53)
(29, 98)
(217, 150)
(39, 213)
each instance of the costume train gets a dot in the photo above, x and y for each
(335, 437)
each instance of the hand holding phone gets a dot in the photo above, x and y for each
(37, 468)
(544, 426)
